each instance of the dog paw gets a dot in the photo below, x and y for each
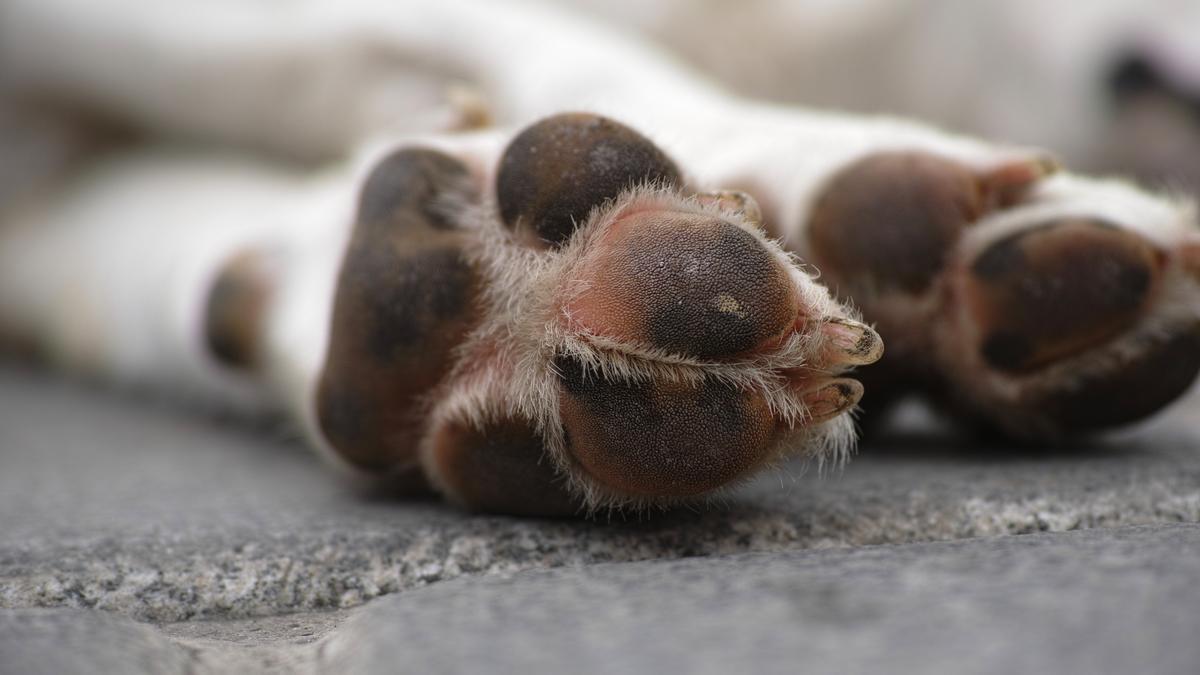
(1029, 300)
(586, 331)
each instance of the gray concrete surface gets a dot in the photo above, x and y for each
(1101, 601)
(1090, 602)
(210, 547)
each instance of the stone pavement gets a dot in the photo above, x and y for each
(140, 538)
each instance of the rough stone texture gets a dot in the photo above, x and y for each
(1101, 601)
(165, 516)
(83, 641)
(1090, 602)
(86, 641)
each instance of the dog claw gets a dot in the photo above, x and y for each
(734, 201)
(832, 399)
(1190, 259)
(852, 343)
(1008, 183)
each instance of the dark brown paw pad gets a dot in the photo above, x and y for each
(686, 283)
(1054, 291)
(236, 309)
(501, 468)
(405, 297)
(888, 222)
(555, 172)
(1130, 390)
(661, 439)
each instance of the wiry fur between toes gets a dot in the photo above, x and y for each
(511, 366)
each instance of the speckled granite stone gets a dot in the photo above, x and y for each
(108, 503)
(1090, 602)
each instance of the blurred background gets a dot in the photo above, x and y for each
(1110, 86)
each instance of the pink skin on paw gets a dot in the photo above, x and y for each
(686, 283)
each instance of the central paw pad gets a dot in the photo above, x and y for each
(1057, 289)
(686, 283)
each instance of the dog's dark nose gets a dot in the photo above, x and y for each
(1136, 75)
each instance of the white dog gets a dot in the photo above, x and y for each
(570, 310)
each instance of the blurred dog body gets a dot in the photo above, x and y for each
(1108, 85)
(1071, 77)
